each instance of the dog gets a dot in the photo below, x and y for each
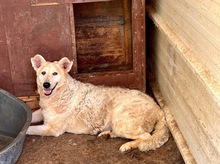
(68, 105)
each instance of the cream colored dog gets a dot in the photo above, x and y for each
(68, 105)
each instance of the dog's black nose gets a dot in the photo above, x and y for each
(46, 85)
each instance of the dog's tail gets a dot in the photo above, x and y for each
(159, 136)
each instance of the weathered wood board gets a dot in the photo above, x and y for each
(58, 2)
(197, 24)
(189, 89)
(103, 36)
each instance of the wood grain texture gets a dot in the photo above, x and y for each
(57, 2)
(133, 78)
(103, 36)
(139, 41)
(173, 127)
(197, 24)
(190, 90)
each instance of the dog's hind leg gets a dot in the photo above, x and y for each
(147, 141)
(146, 126)
(158, 138)
(135, 143)
(37, 116)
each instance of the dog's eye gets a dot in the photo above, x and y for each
(43, 73)
(55, 73)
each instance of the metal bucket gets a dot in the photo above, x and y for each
(15, 118)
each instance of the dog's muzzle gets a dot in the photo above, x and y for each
(47, 88)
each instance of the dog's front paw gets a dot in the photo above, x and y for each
(130, 145)
(29, 131)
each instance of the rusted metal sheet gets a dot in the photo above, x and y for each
(5, 74)
(32, 30)
(101, 32)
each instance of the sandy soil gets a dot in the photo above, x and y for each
(87, 149)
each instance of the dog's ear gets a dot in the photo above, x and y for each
(66, 64)
(37, 61)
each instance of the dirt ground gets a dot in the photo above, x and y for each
(88, 149)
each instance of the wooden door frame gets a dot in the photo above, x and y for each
(134, 78)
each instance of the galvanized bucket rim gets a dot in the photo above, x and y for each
(22, 133)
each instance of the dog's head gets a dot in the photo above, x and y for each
(50, 75)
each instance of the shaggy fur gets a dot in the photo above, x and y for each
(68, 105)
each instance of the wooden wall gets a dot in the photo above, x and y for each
(186, 54)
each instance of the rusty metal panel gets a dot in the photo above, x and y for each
(103, 36)
(32, 30)
(5, 73)
(6, 3)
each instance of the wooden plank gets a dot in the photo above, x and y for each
(197, 94)
(114, 78)
(139, 40)
(57, 2)
(182, 119)
(186, 119)
(174, 129)
(100, 36)
(31, 101)
(191, 21)
(73, 38)
(127, 31)
(85, 1)
(135, 77)
(189, 90)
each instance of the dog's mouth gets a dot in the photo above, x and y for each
(48, 91)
